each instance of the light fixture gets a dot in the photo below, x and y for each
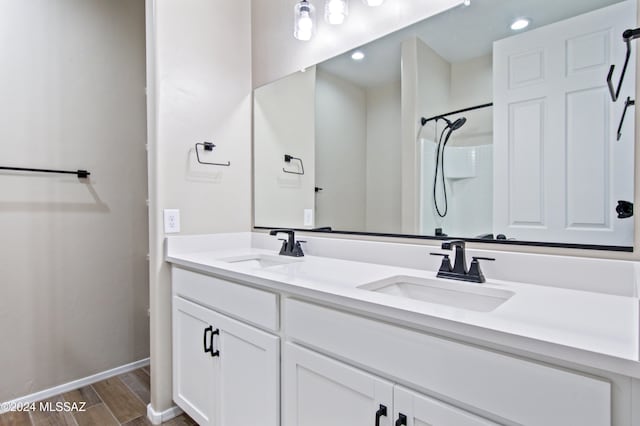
(358, 55)
(335, 11)
(373, 3)
(520, 24)
(467, 2)
(304, 20)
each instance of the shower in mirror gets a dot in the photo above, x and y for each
(455, 169)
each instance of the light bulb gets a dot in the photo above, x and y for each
(373, 3)
(304, 17)
(335, 11)
(520, 24)
(358, 55)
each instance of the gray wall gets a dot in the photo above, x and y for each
(73, 268)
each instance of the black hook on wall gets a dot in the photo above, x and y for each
(287, 159)
(627, 37)
(208, 146)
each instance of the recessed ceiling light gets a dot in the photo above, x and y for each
(467, 2)
(357, 55)
(520, 24)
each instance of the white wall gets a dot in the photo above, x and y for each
(383, 210)
(471, 85)
(284, 123)
(73, 268)
(426, 81)
(341, 151)
(277, 54)
(199, 79)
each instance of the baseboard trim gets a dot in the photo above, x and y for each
(76, 384)
(158, 417)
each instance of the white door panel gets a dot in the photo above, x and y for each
(249, 374)
(559, 170)
(195, 372)
(319, 391)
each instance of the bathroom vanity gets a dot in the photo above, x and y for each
(363, 333)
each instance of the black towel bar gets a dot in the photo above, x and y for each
(82, 174)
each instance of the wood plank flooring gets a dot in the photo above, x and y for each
(120, 400)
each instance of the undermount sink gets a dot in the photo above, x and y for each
(474, 297)
(261, 260)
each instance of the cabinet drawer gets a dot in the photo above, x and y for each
(510, 388)
(249, 304)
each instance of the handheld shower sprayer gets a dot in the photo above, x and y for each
(457, 124)
(449, 129)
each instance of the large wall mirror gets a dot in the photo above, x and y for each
(460, 126)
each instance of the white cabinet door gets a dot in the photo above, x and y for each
(319, 391)
(558, 169)
(248, 391)
(194, 369)
(224, 372)
(414, 409)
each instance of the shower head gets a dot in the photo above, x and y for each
(457, 124)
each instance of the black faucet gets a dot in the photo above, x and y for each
(459, 270)
(290, 247)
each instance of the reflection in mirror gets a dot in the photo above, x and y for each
(459, 126)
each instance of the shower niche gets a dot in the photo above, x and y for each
(480, 133)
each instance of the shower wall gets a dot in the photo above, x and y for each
(469, 180)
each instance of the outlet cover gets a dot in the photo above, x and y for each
(308, 217)
(171, 221)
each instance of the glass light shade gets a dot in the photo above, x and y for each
(335, 11)
(373, 3)
(304, 21)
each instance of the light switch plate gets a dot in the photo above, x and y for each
(171, 221)
(308, 217)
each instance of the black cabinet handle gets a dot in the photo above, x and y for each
(402, 420)
(207, 331)
(211, 351)
(382, 411)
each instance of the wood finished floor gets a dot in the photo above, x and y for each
(120, 400)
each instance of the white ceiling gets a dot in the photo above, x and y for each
(457, 35)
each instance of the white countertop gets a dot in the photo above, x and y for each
(588, 328)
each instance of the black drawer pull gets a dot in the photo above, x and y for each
(382, 411)
(207, 331)
(402, 420)
(211, 351)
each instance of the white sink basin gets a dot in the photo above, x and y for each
(261, 260)
(471, 296)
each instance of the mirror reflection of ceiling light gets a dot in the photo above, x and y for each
(520, 24)
(335, 11)
(304, 17)
(358, 55)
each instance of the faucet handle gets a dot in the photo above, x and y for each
(483, 258)
(474, 269)
(445, 266)
(296, 251)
